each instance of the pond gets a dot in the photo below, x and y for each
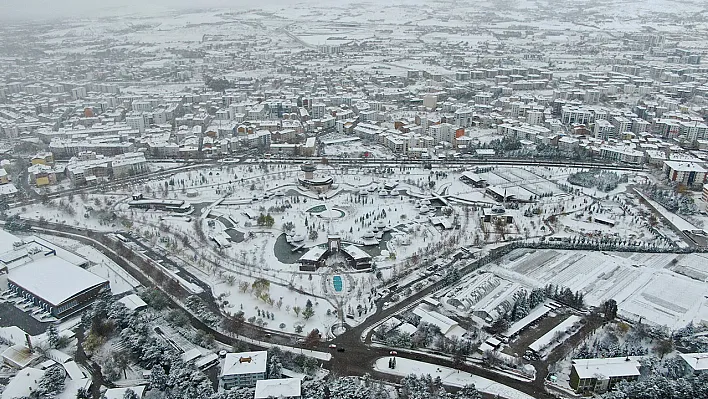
(326, 212)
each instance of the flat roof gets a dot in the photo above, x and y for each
(278, 388)
(54, 279)
(314, 254)
(244, 363)
(606, 368)
(117, 393)
(683, 166)
(696, 361)
(356, 252)
(22, 384)
(133, 302)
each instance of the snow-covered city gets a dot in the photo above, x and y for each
(335, 199)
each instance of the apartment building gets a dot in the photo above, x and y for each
(243, 369)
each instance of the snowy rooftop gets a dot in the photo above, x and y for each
(609, 367)
(313, 254)
(448, 327)
(696, 361)
(133, 302)
(21, 385)
(244, 363)
(684, 166)
(356, 252)
(54, 279)
(547, 338)
(277, 388)
(534, 315)
(117, 393)
(191, 355)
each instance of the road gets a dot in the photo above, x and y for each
(341, 363)
(351, 341)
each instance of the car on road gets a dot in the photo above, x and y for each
(393, 353)
(340, 349)
(332, 346)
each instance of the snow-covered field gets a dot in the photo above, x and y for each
(449, 376)
(645, 285)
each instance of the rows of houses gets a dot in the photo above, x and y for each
(85, 168)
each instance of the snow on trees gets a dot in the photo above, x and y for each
(51, 384)
(603, 180)
(673, 200)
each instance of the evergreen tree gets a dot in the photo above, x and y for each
(158, 378)
(52, 335)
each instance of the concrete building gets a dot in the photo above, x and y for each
(695, 363)
(689, 173)
(430, 101)
(286, 388)
(601, 375)
(54, 284)
(604, 130)
(243, 369)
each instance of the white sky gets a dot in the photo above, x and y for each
(49, 9)
(43, 9)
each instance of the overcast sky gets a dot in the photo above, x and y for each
(42, 9)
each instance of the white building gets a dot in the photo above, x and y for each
(289, 388)
(243, 369)
(600, 375)
(430, 101)
(695, 363)
(604, 130)
(136, 121)
(688, 173)
(448, 327)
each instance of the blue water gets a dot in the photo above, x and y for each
(337, 281)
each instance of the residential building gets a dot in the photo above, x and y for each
(243, 369)
(43, 158)
(601, 375)
(688, 173)
(695, 363)
(285, 388)
(42, 175)
(604, 130)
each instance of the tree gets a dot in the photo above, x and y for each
(275, 368)
(52, 335)
(121, 360)
(83, 393)
(296, 310)
(610, 309)
(312, 338)
(500, 325)
(468, 392)
(308, 313)
(130, 394)
(664, 347)
(158, 378)
(52, 383)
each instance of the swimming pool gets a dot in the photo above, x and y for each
(337, 281)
